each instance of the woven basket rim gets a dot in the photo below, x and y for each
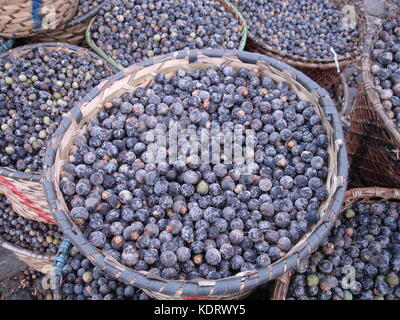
(26, 252)
(281, 285)
(368, 84)
(326, 63)
(261, 275)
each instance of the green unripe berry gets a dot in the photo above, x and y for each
(9, 81)
(9, 150)
(87, 277)
(73, 252)
(350, 213)
(202, 187)
(347, 295)
(392, 279)
(312, 280)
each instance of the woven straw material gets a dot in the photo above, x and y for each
(73, 32)
(373, 139)
(142, 75)
(227, 5)
(25, 190)
(365, 195)
(23, 18)
(323, 71)
(340, 94)
(38, 261)
(240, 295)
(26, 194)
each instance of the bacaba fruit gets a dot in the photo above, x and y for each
(187, 219)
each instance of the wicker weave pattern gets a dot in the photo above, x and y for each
(142, 75)
(74, 31)
(366, 195)
(323, 71)
(18, 19)
(25, 191)
(40, 262)
(374, 140)
(26, 194)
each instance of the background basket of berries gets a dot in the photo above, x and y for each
(23, 18)
(39, 83)
(32, 242)
(303, 34)
(76, 278)
(177, 233)
(74, 31)
(160, 27)
(374, 138)
(361, 259)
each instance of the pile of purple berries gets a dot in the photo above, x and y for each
(189, 219)
(36, 89)
(386, 68)
(28, 234)
(132, 31)
(83, 281)
(300, 27)
(361, 260)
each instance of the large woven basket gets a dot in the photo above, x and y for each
(373, 140)
(226, 4)
(25, 190)
(365, 195)
(23, 18)
(39, 261)
(73, 32)
(142, 75)
(323, 71)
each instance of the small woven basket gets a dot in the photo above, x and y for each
(39, 261)
(323, 71)
(73, 32)
(227, 5)
(142, 75)
(24, 18)
(373, 139)
(365, 195)
(25, 190)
